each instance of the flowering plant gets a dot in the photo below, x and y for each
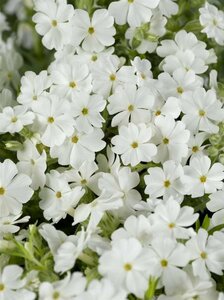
(111, 150)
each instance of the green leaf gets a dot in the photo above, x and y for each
(206, 223)
(216, 228)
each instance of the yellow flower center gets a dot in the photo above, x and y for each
(130, 108)
(58, 195)
(158, 112)
(164, 263)
(134, 145)
(180, 90)
(166, 141)
(201, 113)
(112, 77)
(2, 191)
(195, 149)
(83, 181)
(203, 179)
(171, 225)
(91, 30)
(85, 111)
(130, 1)
(2, 287)
(72, 84)
(54, 23)
(14, 119)
(143, 76)
(94, 58)
(75, 139)
(34, 98)
(50, 120)
(167, 183)
(203, 255)
(127, 267)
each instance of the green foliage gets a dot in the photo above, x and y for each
(32, 253)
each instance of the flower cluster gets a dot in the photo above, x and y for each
(111, 151)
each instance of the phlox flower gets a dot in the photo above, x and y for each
(127, 265)
(14, 189)
(134, 12)
(13, 119)
(130, 104)
(171, 138)
(52, 20)
(212, 21)
(133, 144)
(202, 178)
(94, 34)
(54, 120)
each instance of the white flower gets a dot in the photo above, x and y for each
(168, 7)
(86, 110)
(68, 252)
(12, 286)
(95, 210)
(189, 287)
(165, 181)
(152, 31)
(55, 238)
(134, 12)
(216, 205)
(170, 107)
(102, 290)
(13, 119)
(139, 228)
(202, 111)
(14, 189)
(121, 182)
(143, 71)
(84, 176)
(95, 34)
(33, 88)
(53, 22)
(32, 163)
(78, 143)
(133, 144)
(70, 78)
(66, 289)
(171, 219)
(171, 138)
(207, 253)
(184, 51)
(8, 224)
(54, 120)
(108, 74)
(202, 178)
(58, 198)
(6, 97)
(130, 105)
(195, 144)
(65, 249)
(92, 57)
(11, 62)
(127, 266)
(212, 21)
(166, 256)
(109, 162)
(176, 85)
